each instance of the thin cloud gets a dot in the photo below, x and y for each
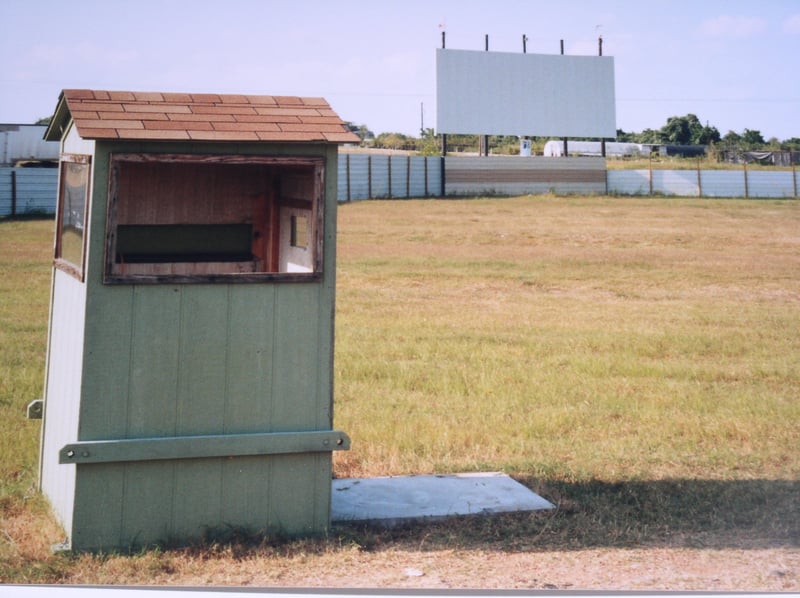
(792, 24)
(733, 27)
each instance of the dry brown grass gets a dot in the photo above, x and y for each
(633, 360)
(517, 333)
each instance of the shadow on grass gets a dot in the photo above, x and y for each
(711, 514)
(700, 514)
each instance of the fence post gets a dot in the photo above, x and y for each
(408, 176)
(347, 169)
(699, 180)
(443, 179)
(369, 177)
(13, 192)
(746, 186)
(390, 175)
(794, 179)
(427, 194)
(650, 169)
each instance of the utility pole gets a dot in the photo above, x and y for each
(600, 53)
(566, 149)
(485, 138)
(444, 135)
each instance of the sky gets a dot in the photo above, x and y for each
(734, 64)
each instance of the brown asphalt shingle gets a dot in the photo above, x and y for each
(202, 116)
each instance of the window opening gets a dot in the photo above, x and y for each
(73, 199)
(192, 218)
(299, 232)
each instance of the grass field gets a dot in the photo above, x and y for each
(636, 361)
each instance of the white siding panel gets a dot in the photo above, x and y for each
(435, 174)
(420, 181)
(75, 144)
(723, 183)
(399, 168)
(63, 387)
(628, 182)
(676, 182)
(380, 176)
(761, 183)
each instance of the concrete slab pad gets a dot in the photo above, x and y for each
(394, 500)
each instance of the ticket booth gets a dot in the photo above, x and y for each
(189, 377)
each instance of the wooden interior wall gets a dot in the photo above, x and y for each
(186, 193)
(174, 191)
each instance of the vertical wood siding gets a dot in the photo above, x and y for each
(177, 360)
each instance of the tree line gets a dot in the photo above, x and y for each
(678, 130)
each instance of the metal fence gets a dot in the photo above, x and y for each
(27, 191)
(705, 183)
(363, 176)
(379, 176)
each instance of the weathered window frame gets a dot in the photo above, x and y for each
(264, 226)
(66, 263)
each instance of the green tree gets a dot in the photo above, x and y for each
(753, 139)
(793, 143)
(361, 130)
(429, 144)
(707, 136)
(732, 139)
(681, 130)
(624, 137)
(648, 136)
(396, 141)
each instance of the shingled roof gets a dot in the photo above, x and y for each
(197, 116)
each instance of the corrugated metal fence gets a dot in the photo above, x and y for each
(27, 190)
(705, 183)
(377, 176)
(361, 176)
(364, 176)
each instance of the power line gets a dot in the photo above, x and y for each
(715, 100)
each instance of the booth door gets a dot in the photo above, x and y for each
(296, 235)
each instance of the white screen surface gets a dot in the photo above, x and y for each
(501, 93)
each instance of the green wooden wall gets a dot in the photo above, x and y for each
(204, 359)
